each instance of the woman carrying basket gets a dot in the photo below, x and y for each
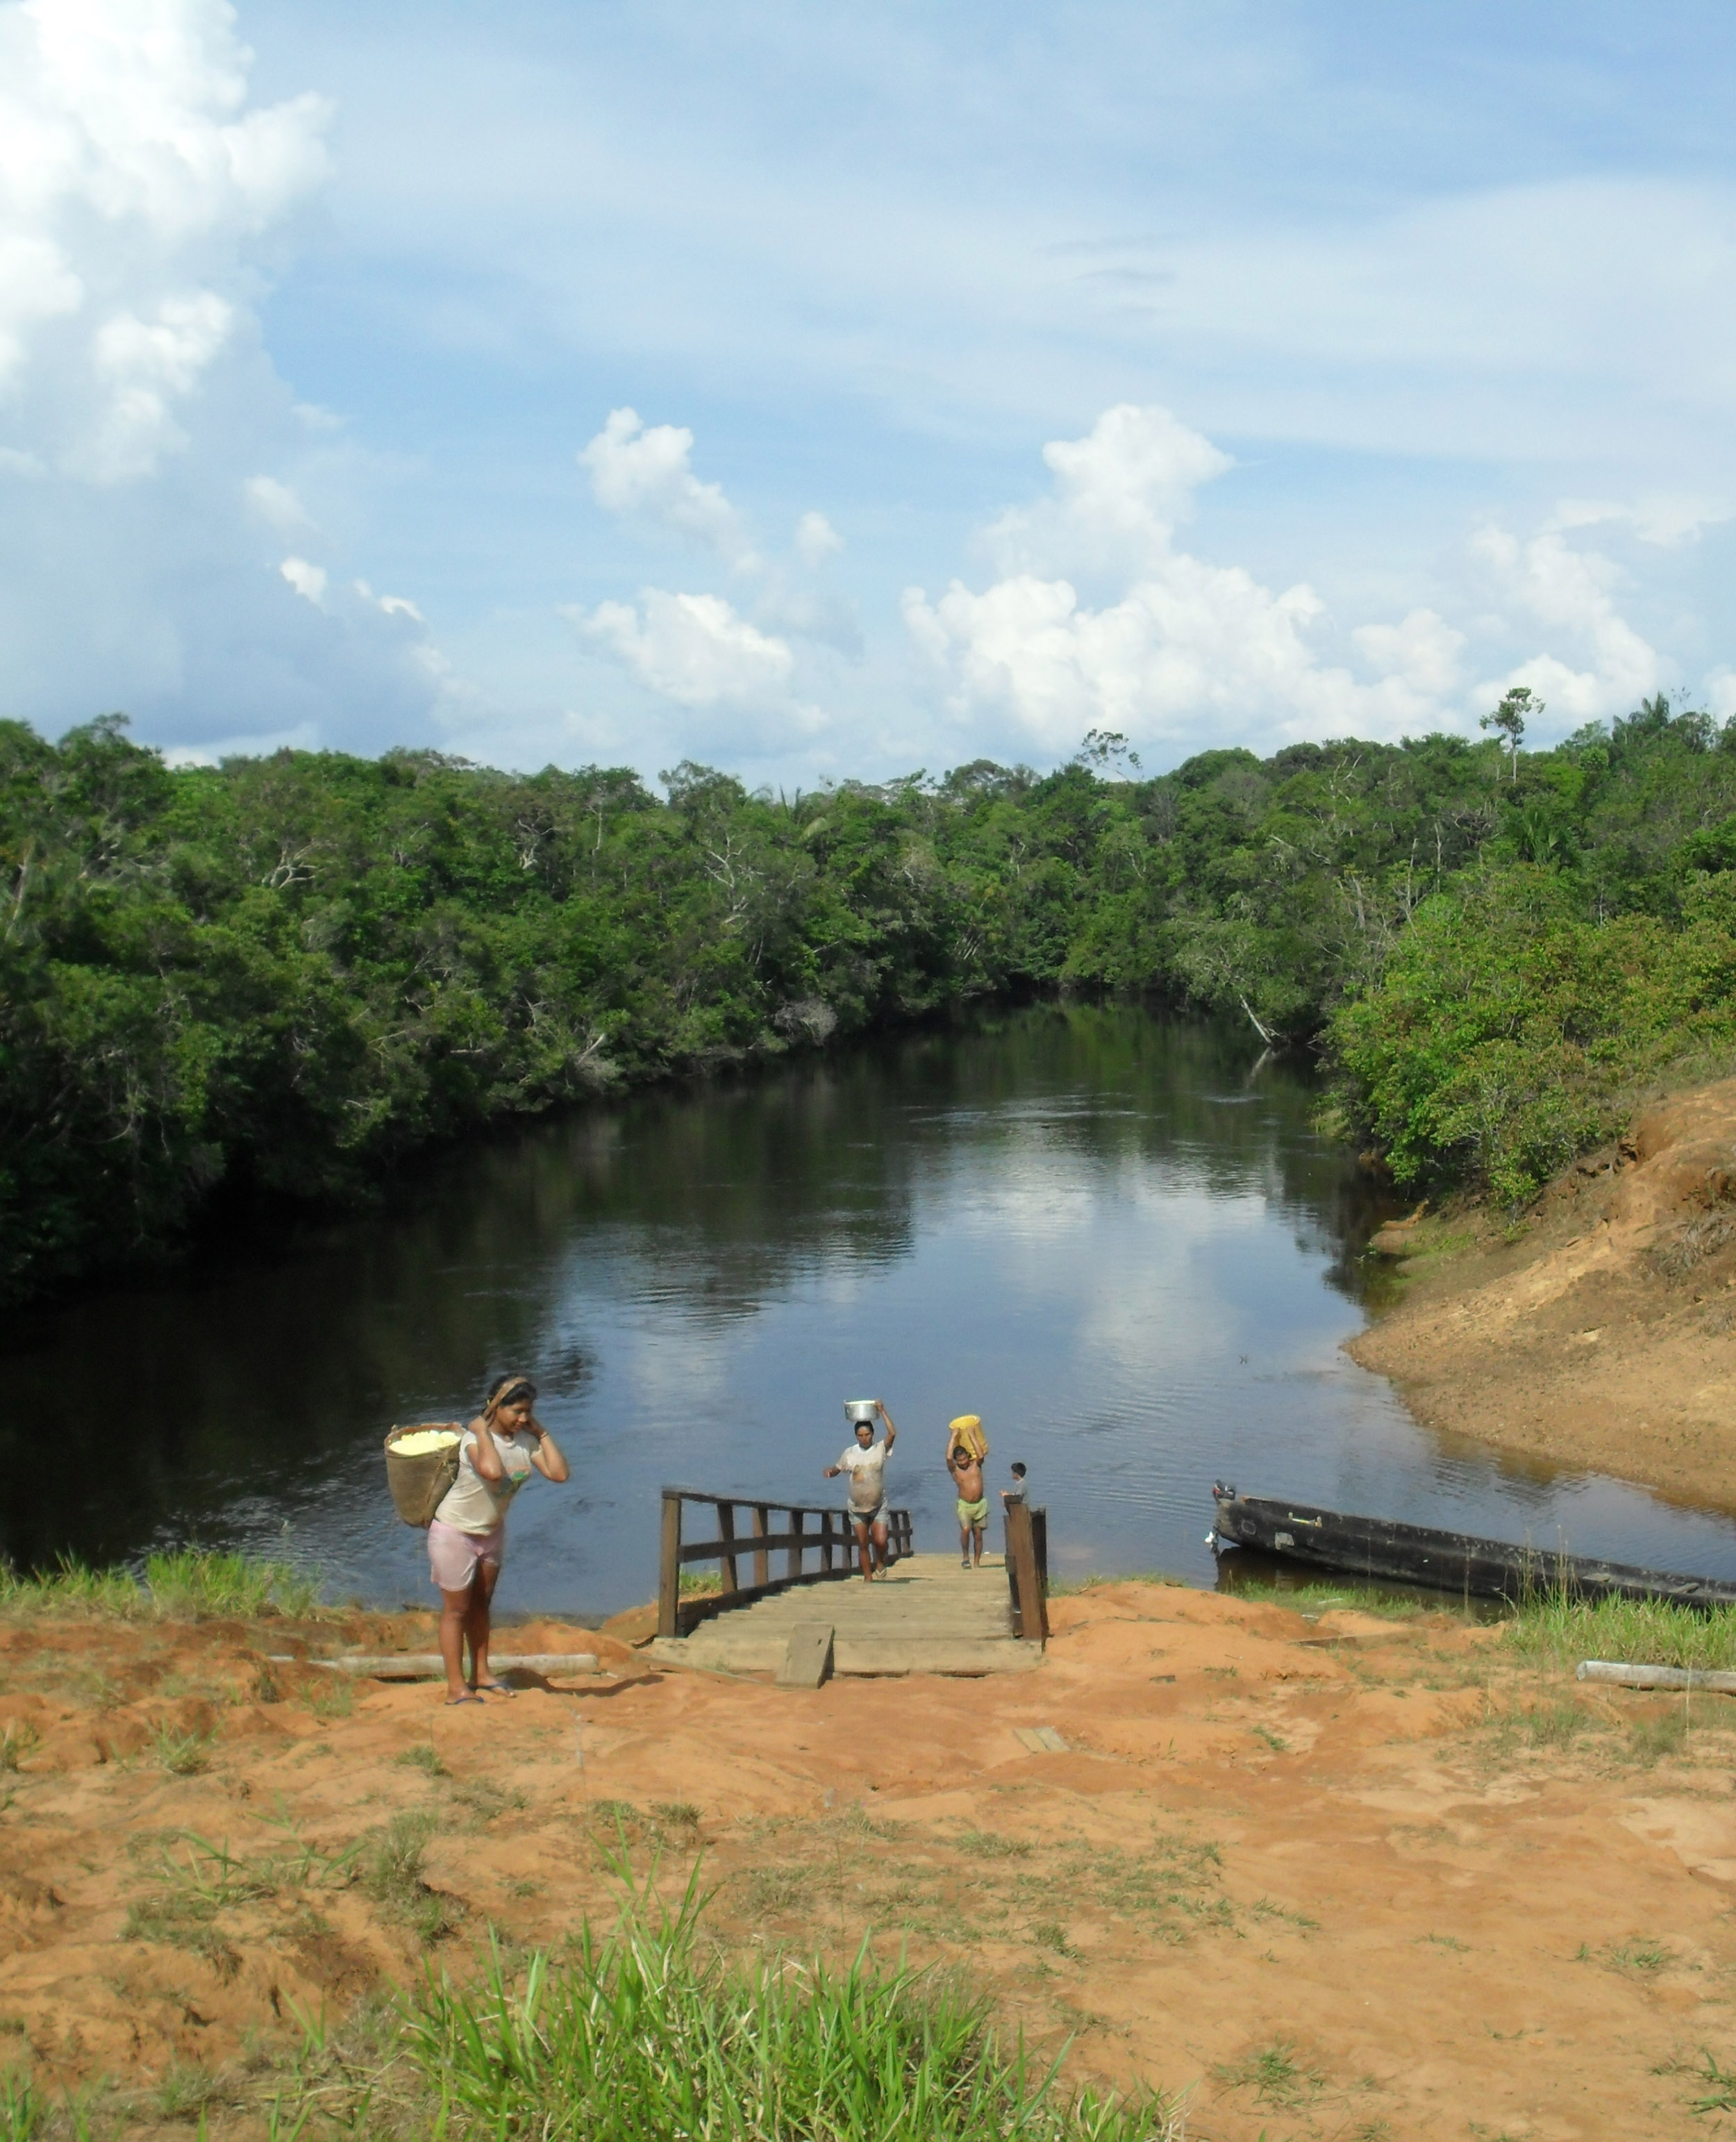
(467, 1537)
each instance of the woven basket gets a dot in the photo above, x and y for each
(419, 1484)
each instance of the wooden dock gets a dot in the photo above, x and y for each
(925, 1615)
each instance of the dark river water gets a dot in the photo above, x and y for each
(1115, 1237)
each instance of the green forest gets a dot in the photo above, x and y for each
(275, 978)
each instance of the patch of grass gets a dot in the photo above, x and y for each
(333, 1696)
(70, 1587)
(701, 1583)
(1447, 1940)
(392, 1874)
(1638, 1959)
(187, 2088)
(1272, 2073)
(1531, 1725)
(1551, 1629)
(206, 1585)
(1661, 1734)
(423, 1756)
(987, 1844)
(1276, 1741)
(676, 1814)
(1265, 1908)
(197, 1880)
(189, 1582)
(1313, 1599)
(21, 2107)
(1722, 2095)
(648, 2033)
(181, 1754)
(773, 1890)
(1051, 1934)
(18, 1737)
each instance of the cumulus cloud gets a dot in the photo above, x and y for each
(1572, 594)
(1667, 519)
(694, 650)
(1177, 650)
(815, 540)
(143, 431)
(1185, 641)
(131, 178)
(308, 581)
(648, 474)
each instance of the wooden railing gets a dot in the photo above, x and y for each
(1028, 1570)
(832, 1539)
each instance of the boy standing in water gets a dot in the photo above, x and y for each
(966, 1469)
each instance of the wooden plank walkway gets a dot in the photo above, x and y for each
(926, 1616)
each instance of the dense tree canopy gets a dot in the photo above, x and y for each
(278, 974)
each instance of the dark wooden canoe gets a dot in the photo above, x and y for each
(1445, 1561)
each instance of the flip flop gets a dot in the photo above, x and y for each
(495, 1688)
(472, 1697)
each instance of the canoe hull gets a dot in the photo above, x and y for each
(1331, 1541)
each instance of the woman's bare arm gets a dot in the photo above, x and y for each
(547, 1456)
(486, 1458)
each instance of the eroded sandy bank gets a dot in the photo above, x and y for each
(1602, 1333)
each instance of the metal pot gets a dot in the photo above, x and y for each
(861, 1409)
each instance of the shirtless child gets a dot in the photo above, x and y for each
(967, 1473)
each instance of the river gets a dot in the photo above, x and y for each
(1116, 1236)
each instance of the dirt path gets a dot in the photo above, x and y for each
(1601, 1334)
(1344, 1879)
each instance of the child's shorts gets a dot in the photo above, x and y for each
(453, 1555)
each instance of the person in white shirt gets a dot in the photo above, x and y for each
(467, 1539)
(865, 1465)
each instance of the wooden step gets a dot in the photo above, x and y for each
(855, 1656)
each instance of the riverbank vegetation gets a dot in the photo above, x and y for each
(274, 977)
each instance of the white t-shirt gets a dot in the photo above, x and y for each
(475, 1505)
(866, 1471)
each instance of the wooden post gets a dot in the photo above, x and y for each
(669, 1567)
(1029, 1604)
(792, 1556)
(726, 1532)
(761, 1560)
(826, 1541)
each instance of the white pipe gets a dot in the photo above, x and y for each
(428, 1666)
(1630, 1676)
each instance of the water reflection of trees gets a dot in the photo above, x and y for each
(269, 1373)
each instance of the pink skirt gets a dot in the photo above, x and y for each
(453, 1555)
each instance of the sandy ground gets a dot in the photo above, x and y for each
(1340, 1877)
(1600, 1333)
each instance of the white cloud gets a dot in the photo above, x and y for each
(130, 181)
(693, 648)
(1183, 651)
(1118, 496)
(1571, 594)
(1423, 650)
(1185, 645)
(277, 505)
(815, 540)
(648, 474)
(308, 581)
(1720, 693)
(1667, 519)
(388, 606)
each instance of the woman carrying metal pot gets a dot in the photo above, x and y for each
(467, 1537)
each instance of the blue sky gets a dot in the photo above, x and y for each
(821, 391)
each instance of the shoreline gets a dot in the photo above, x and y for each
(1598, 1336)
